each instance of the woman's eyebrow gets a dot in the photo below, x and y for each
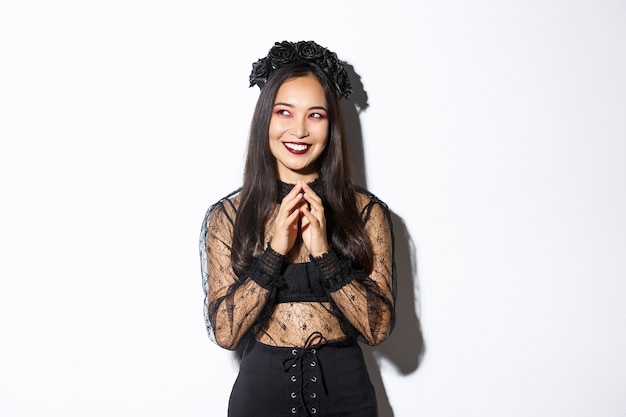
(283, 104)
(292, 106)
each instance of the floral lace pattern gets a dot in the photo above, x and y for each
(360, 305)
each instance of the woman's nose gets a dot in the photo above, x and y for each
(299, 129)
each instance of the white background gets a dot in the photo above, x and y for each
(494, 130)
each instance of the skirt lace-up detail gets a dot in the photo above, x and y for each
(306, 377)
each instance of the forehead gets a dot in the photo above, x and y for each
(305, 90)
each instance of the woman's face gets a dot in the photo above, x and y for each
(298, 131)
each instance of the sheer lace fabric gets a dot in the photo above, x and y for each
(356, 305)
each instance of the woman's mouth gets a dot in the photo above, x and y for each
(297, 148)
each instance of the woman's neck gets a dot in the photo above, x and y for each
(292, 179)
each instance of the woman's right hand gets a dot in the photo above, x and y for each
(286, 227)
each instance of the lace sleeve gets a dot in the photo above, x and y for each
(367, 302)
(232, 304)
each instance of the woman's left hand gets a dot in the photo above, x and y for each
(313, 229)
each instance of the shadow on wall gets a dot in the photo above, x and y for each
(405, 348)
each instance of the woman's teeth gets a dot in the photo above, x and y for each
(298, 147)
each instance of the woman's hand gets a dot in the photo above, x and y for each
(313, 227)
(285, 230)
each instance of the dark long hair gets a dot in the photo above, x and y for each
(259, 192)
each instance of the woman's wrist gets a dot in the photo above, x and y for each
(334, 272)
(271, 261)
(265, 269)
(319, 252)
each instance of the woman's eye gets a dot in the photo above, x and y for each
(282, 112)
(316, 115)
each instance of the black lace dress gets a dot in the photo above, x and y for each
(299, 311)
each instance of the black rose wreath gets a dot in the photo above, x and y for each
(285, 52)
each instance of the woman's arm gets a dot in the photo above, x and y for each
(233, 304)
(367, 302)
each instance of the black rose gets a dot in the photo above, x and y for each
(330, 63)
(309, 50)
(260, 72)
(343, 84)
(282, 53)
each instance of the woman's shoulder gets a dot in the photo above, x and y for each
(366, 199)
(231, 198)
(221, 213)
(373, 211)
(227, 204)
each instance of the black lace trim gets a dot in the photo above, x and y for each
(265, 269)
(334, 272)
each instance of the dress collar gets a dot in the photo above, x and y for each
(284, 188)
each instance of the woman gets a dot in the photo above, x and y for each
(298, 263)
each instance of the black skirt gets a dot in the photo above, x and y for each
(320, 381)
